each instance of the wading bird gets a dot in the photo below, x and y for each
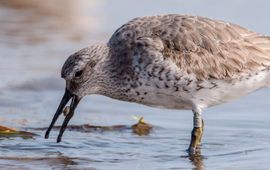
(170, 61)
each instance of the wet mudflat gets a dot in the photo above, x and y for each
(35, 40)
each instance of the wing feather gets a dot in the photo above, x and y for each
(207, 48)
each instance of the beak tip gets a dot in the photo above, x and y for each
(47, 134)
(58, 140)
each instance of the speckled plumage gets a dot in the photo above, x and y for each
(173, 61)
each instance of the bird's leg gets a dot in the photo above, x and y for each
(200, 140)
(196, 134)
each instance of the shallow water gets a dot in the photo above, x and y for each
(35, 40)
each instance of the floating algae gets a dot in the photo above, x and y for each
(141, 128)
(9, 132)
(86, 128)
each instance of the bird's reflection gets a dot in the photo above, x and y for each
(198, 161)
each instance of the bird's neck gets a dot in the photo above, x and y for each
(115, 75)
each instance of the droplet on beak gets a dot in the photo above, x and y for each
(66, 111)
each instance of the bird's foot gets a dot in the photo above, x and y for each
(194, 151)
(195, 143)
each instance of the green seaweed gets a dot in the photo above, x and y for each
(9, 132)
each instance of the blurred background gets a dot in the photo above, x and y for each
(37, 36)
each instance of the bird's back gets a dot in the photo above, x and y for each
(197, 45)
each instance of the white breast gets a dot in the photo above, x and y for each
(227, 91)
(221, 92)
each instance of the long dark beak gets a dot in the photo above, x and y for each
(74, 102)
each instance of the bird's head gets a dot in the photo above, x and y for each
(81, 72)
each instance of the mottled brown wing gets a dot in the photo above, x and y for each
(208, 48)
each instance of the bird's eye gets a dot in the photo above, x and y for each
(78, 73)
